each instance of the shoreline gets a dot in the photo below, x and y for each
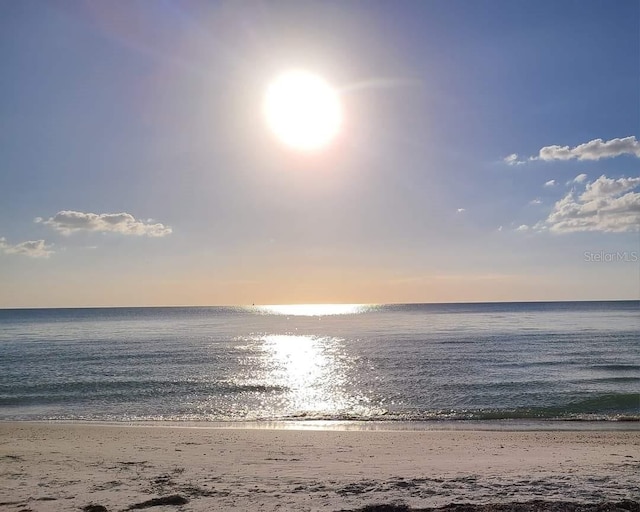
(512, 425)
(56, 466)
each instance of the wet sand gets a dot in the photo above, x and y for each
(54, 467)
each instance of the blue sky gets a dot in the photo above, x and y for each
(136, 167)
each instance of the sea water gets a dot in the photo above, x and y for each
(486, 362)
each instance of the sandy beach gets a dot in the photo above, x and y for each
(53, 467)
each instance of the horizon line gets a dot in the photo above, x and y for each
(554, 301)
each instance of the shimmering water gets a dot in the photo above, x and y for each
(571, 360)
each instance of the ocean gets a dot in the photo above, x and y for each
(539, 362)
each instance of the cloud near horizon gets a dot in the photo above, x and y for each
(606, 205)
(595, 149)
(68, 221)
(31, 248)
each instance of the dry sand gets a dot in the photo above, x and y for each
(57, 467)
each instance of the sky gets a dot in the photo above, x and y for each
(488, 151)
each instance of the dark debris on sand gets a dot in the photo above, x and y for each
(174, 499)
(530, 506)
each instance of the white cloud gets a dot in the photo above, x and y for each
(537, 200)
(31, 248)
(606, 205)
(67, 222)
(580, 178)
(592, 150)
(512, 159)
(595, 149)
(461, 210)
(550, 183)
(605, 187)
(522, 227)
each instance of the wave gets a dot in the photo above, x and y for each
(616, 367)
(609, 407)
(192, 394)
(119, 391)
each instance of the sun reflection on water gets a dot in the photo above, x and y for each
(315, 309)
(311, 368)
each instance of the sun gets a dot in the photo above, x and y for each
(303, 110)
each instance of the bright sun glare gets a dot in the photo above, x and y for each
(315, 309)
(303, 110)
